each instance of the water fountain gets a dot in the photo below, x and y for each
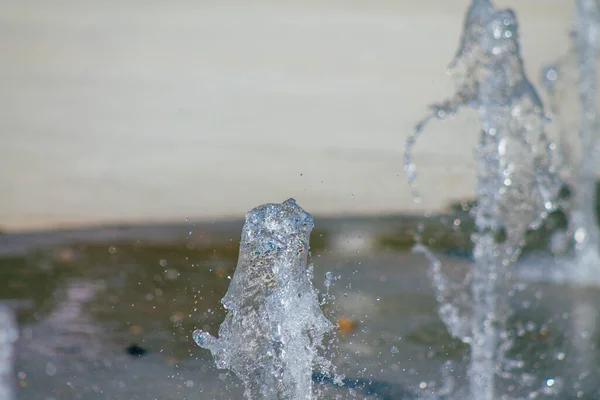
(8, 337)
(274, 326)
(517, 185)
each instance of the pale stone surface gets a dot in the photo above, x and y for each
(126, 111)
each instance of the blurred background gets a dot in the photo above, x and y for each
(125, 112)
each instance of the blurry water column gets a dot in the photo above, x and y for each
(8, 337)
(584, 218)
(516, 184)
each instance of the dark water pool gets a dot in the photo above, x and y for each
(108, 314)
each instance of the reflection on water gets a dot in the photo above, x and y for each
(71, 328)
(82, 305)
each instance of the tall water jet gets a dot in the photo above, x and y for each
(583, 217)
(274, 325)
(516, 184)
(8, 336)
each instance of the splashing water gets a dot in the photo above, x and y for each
(516, 183)
(274, 326)
(8, 336)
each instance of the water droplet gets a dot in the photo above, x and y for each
(580, 235)
(50, 369)
(328, 279)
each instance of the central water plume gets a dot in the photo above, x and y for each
(274, 325)
(516, 184)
